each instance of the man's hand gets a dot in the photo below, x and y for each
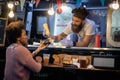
(58, 37)
(51, 39)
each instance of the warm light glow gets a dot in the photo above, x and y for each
(10, 5)
(64, 7)
(17, 3)
(110, 5)
(51, 11)
(11, 14)
(84, 6)
(115, 4)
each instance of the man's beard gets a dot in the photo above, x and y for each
(76, 28)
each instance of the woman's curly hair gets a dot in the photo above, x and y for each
(81, 13)
(13, 31)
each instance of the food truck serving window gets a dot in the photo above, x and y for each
(113, 28)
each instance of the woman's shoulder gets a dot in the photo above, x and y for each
(18, 47)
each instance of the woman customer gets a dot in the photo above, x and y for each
(19, 60)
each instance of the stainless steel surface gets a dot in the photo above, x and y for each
(93, 48)
(80, 48)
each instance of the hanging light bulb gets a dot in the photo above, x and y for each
(11, 14)
(51, 10)
(10, 5)
(17, 3)
(115, 4)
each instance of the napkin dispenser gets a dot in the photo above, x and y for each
(106, 61)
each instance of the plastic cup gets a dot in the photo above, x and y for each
(46, 58)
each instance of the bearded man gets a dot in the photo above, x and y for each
(82, 26)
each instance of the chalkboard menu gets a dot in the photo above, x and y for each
(2, 31)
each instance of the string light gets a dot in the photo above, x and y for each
(10, 5)
(51, 9)
(114, 4)
(11, 14)
(11, 8)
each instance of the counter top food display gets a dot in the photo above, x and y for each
(66, 61)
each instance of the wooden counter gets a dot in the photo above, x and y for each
(58, 72)
(70, 67)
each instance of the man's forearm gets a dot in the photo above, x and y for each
(81, 44)
(59, 37)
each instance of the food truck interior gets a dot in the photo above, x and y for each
(101, 63)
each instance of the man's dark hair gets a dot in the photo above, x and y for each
(13, 31)
(81, 13)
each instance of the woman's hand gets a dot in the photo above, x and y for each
(40, 47)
